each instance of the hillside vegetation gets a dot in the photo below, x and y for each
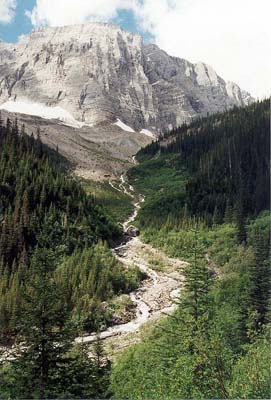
(57, 274)
(207, 204)
(118, 204)
(206, 189)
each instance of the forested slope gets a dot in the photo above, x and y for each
(56, 272)
(207, 200)
(206, 190)
(227, 157)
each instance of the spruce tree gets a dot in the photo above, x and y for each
(198, 281)
(47, 365)
(260, 279)
(45, 335)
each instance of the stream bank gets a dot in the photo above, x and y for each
(155, 296)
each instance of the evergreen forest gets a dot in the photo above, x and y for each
(56, 270)
(206, 202)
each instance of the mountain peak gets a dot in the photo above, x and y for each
(77, 31)
(100, 72)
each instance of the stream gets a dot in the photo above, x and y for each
(157, 294)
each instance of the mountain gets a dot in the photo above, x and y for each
(99, 94)
(96, 73)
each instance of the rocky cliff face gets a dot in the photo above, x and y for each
(183, 90)
(99, 72)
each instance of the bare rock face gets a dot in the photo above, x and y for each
(184, 90)
(100, 72)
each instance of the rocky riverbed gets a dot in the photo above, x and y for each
(157, 294)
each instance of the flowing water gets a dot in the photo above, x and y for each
(159, 286)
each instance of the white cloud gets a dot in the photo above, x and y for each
(7, 10)
(65, 12)
(233, 36)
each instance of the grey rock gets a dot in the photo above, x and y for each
(132, 231)
(100, 72)
(99, 153)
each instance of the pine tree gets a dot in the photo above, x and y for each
(198, 281)
(241, 224)
(216, 216)
(260, 280)
(47, 365)
(44, 331)
(228, 215)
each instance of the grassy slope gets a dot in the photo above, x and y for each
(118, 205)
(157, 367)
(163, 186)
(162, 182)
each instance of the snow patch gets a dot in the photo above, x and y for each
(148, 133)
(40, 110)
(123, 126)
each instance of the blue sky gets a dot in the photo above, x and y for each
(233, 36)
(127, 20)
(21, 24)
(9, 32)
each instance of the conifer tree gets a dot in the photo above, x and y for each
(198, 281)
(44, 332)
(260, 279)
(46, 365)
(241, 224)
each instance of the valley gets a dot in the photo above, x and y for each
(153, 281)
(134, 222)
(185, 215)
(157, 294)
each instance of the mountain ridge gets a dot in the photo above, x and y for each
(100, 72)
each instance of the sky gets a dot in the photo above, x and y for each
(233, 36)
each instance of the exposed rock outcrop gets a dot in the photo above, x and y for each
(99, 72)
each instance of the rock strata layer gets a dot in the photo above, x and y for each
(101, 73)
